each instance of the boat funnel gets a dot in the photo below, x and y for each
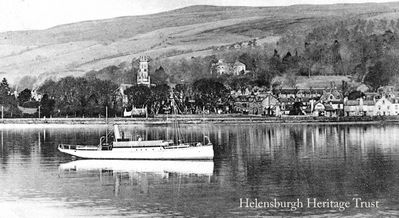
(117, 134)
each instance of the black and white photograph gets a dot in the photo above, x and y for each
(199, 108)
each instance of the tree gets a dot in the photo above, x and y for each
(355, 95)
(159, 98)
(4, 88)
(159, 76)
(46, 106)
(377, 76)
(24, 96)
(209, 93)
(249, 61)
(7, 99)
(102, 94)
(81, 96)
(138, 96)
(297, 109)
(49, 87)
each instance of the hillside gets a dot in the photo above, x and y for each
(74, 49)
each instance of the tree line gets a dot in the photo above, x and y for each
(91, 97)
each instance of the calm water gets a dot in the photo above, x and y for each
(264, 162)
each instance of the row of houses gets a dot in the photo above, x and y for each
(381, 107)
(316, 102)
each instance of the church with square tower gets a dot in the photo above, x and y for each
(143, 77)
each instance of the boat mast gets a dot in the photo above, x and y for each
(177, 136)
(106, 122)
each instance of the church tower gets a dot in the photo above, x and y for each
(143, 77)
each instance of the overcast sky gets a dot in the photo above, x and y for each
(41, 14)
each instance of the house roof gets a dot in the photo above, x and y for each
(287, 91)
(352, 103)
(371, 94)
(328, 107)
(305, 99)
(368, 102)
(26, 110)
(125, 85)
(285, 100)
(336, 101)
(238, 63)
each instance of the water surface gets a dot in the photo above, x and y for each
(263, 162)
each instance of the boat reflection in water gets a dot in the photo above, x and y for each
(142, 175)
(142, 166)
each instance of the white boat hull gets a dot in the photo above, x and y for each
(146, 153)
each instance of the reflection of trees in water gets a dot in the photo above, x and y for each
(131, 183)
(335, 161)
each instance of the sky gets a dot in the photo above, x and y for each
(42, 14)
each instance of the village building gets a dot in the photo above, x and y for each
(359, 107)
(298, 93)
(395, 106)
(286, 105)
(307, 98)
(143, 78)
(35, 95)
(238, 68)
(383, 107)
(248, 104)
(222, 67)
(325, 109)
(318, 109)
(353, 107)
(368, 107)
(271, 106)
(334, 102)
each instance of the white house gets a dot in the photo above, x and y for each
(271, 105)
(353, 107)
(238, 67)
(222, 67)
(319, 109)
(368, 107)
(383, 107)
(395, 106)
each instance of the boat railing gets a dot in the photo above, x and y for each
(66, 146)
(206, 142)
(77, 147)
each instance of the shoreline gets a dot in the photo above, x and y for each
(200, 119)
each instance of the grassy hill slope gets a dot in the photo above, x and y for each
(74, 49)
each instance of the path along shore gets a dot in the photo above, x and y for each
(200, 119)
